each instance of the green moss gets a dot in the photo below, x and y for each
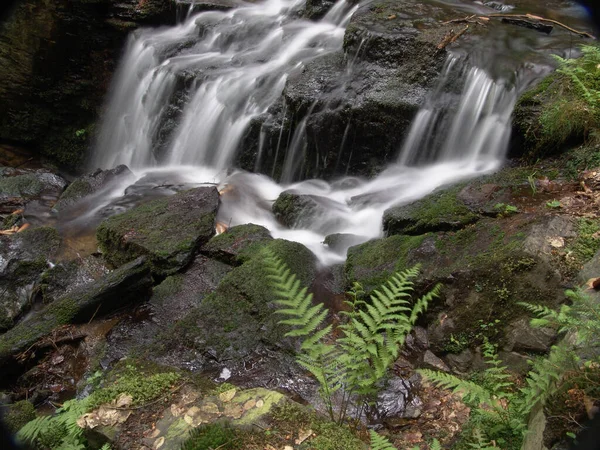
(290, 417)
(373, 262)
(21, 186)
(167, 289)
(238, 315)
(238, 244)
(587, 242)
(212, 436)
(441, 211)
(143, 383)
(562, 110)
(167, 230)
(18, 414)
(77, 190)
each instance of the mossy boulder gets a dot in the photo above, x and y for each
(129, 283)
(90, 184)
(19, 186)
(238, 317)
(304, 211)
(373, 262)
(17, 414)
(440, 211)
(238, 244)
(169, 231)
(23, 257)
(486, 268)
(68, 275)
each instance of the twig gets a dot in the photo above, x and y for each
(133, 408)
(450, 38)
(543, 19)
(476, 19)
(95, 312)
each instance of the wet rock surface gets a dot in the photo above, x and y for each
(93, 183)
(238, 244)
(23, 257)
(168, 230)
(129, 283)
(303, 211)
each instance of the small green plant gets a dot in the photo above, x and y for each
(211, 437)
(142, 387)
(58, 431)
(81, 133)
(379, 442)
(370, 337)
(506, 209)
(553, 204)
(532, 182)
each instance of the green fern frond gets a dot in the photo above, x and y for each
(379, 442)
(435, 445)
(472, 392)
(481, 442)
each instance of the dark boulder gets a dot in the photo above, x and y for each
(238, 319)
(90, 184)
(238, 244)
(440, 211)
(19, 187)
(23, 257)
(129, 283)
(169, 231)
(56, 62)
(304, 211)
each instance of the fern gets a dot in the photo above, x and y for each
(59, 432)
(379, 442)
(370, 339)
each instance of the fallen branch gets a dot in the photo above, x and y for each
(451, 37)
(482, 20)
(543, 19)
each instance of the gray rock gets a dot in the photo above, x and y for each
(521, 336)
(515, 362)
(304, 211)
(168, 230)
(540, 236)
(237, 244)
(396, 401)
(90, 184)
(440, 211)
(129, 283)
(341, 242)
(23, 257)
(461, 363)
(534, 438)
(18, 187)
(433, 362)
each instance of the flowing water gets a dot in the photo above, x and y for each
(225, 68)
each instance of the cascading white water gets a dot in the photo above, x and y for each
(241, 62)
(235, 71)
(478, 121)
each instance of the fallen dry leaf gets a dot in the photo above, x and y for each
(227, 396)
(303, 435)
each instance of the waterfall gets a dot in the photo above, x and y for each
(473, 126)
(184, 96)
(233, 66)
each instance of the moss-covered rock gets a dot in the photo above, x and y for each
(90, 184)
(129, 283)
(18, 414)
(237, 318)
(168, 230)
(237, 244)
(23, 257)
(373, 262)
(440, 211)
(304, 211)
(19, 186)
